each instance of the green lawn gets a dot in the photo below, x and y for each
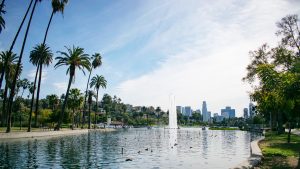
(278, 153)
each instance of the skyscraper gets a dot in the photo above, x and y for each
(229, 110)
(206, 116)
(246, 113)
(251, 110)
(179, 109)
(188, 111)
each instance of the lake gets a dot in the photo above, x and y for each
(146, 148)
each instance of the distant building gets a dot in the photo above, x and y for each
(251, 110)
(216, 114)
(206, 115)
(246, 116)
(225, 114)
(198, 111)
(209, 116)
(229, 110)
(179, 109)
(188, 111)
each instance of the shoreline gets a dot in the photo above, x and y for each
(255, 156)
(44, 134)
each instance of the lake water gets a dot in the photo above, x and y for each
(155, 148)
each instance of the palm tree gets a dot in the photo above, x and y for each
(97, 82)
(2, 11)
(10, 59)
(97, 62)
(73, 58)
(12, 92)
(25, 85)
(57, 6)
(90, 100)
(42, 56)
(74, 103)
(14, 40)
(53, 100)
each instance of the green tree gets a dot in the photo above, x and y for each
(74, 103)
(73, 58)
(10, 60)
(53, 101)
(40, 56)
(97, 62)
(15, 38)
(91, 94)
(98, 82)
(18, 70)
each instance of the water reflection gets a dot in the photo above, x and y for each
(155, 148)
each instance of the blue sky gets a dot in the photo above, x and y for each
(191, 48)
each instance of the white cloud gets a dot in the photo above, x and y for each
(207, 45)
(31, 75)
(60, 87)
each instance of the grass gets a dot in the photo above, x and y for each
(222, 128)
(277, 153)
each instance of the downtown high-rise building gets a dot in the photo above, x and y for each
(206, 115)
(179, 109)
(251, 110)
(228, 112)
(188, 111)
(246, 116)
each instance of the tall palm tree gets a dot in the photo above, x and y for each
(25, 85)
(53, 100)
(10, 59)
(91, 94)
(42, 55)
(12, 92)
(97, 62)
(97, 82)
(15, 38)
(57, 6)
(74, 103)
(2, 11)
(73, 58)
(39, 56)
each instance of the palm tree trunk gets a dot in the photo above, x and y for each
(38, 96)
(12, 92)
(50, 20)
(89, 116)
(3, 120)
(14, 41)
(32, 100)
(73, 113)
(96, 107)
(84, 105)
(64, 104)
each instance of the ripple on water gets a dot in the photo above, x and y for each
(158, 148)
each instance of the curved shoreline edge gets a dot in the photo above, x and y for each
(255, 156)
(44, 134)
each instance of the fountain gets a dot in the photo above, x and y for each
(172, 113)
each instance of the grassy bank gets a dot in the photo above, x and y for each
(278, 154)
(222, 128)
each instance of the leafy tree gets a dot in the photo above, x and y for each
(75, 58)
(97, 62)
(18, 70)
(97, 82)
